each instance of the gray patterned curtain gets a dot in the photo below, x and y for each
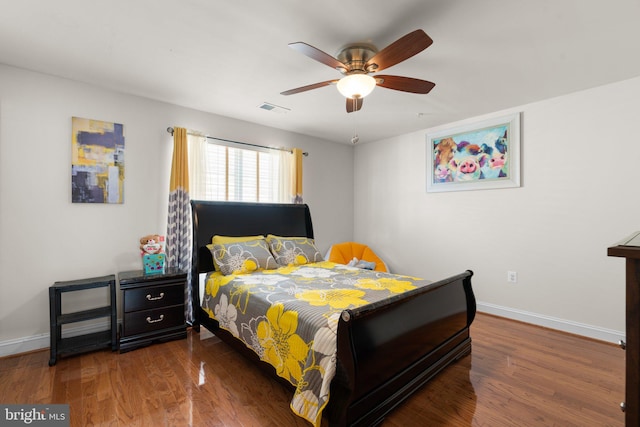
(179, 241)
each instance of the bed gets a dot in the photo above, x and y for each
(385, 349)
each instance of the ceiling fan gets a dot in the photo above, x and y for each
(357, 61)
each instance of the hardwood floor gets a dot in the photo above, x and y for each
(517, 375)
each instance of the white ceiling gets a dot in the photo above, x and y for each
(228, 57)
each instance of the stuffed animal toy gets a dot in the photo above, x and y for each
(152, 244)
(359, 263)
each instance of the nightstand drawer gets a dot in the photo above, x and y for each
(153, 320)
(153, 297)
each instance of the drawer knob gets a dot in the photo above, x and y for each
(623, 406)
(150, 298)
(159, 319)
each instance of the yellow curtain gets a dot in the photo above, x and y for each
(180, 162)
(178, 241)
(297, 175)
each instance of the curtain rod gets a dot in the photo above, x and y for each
(170, 130)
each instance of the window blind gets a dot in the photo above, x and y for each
(235, 174)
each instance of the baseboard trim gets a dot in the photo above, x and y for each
(563, 325)
(43, 341)
(24, 345)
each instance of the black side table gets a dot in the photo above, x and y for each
(152, 307)
(87, 342)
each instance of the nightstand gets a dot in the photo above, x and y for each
(152, 308)
(86, 342)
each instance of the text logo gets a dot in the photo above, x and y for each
(34, 415)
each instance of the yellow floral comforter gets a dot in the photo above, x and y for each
(289, 318)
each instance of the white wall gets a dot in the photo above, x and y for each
(579, 195)
(45, 238)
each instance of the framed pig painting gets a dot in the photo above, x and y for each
(478, 155)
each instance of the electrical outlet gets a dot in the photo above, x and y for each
(512, 277)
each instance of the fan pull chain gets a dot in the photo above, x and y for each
(355, 138)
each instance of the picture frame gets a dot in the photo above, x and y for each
(480, 155)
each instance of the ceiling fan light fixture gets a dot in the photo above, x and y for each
(356, 85)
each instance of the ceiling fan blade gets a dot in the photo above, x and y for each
(405, 84)
(317, 54)
(403, 48)
(354, 104)
(308, 87)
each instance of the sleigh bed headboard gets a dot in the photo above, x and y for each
(243, 219)
(239, 219)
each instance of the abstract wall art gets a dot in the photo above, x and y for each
(97, 161)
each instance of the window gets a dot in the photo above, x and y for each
(224, 172)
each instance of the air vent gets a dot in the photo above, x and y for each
(274, 108)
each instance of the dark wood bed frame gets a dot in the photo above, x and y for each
(386, 350)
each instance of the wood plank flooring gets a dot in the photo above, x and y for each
(517, 375)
